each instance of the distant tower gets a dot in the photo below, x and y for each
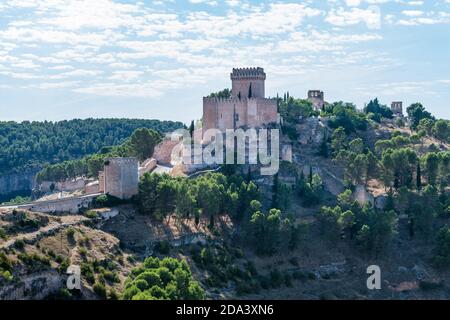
(121, 177)
(248, 83)
(317, 99)
(397, 108)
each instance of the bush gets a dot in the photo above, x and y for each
(3, 234)
(5, 262)
(163, 247)
(87, 272)
(70, 232)
(19, 244)
(100, 290)
(91, 214)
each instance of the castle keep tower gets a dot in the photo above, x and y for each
(248, 83)
(397, 108)
(247, 106)
(121, 177)
(317, 99)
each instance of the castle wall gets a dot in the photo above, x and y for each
(121, 177)
(65, 205)
(210, 106)
(225, 111)
(66, 185)
(267, 112)
(147, 166)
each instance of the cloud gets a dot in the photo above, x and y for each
(342, 18)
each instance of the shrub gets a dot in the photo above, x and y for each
(91, 214)
(163, 247)
(87, 272)
(70, 232)
(5, 262)
(19, 244)
(3, 234)
(100, 290)
(82, 251)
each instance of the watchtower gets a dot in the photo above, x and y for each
(397, 108)
(317, 99)
(121, 177)
(248, 83)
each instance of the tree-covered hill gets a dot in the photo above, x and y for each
(32, 144)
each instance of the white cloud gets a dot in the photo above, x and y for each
(341, 17)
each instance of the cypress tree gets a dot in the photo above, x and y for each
(275, 192)
(419, 177)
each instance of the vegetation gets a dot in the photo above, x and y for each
(32, 144)
(167, 279)
(346, 116)
(376, 111)
(141, 144)
(223, 94)
(210, 195)
(371, 230)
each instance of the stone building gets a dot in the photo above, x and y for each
(317, 98)
(247, 106)
(397, 108)
(121, 177)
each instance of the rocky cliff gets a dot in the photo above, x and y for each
(17, 183)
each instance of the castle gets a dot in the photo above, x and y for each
(316, 97)
(397, 108)
(247, 106)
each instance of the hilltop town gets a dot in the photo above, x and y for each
(354, 188)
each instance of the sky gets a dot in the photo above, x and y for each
(65, 59)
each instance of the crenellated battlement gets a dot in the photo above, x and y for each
(247, 106)
(234, 100)
(118, 160)
(248, 74)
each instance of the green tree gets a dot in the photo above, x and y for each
(338, 140)
(441, 130)
(431, 162)
(442, 249)
(143, 142)
(417, 112)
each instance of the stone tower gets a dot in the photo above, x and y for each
(397, 108)
(248, 83)
(247, 107)
(317, 99)
(121, 177)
